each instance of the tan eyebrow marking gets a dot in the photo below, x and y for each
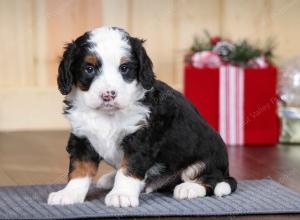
(91, 59)
(124, 60)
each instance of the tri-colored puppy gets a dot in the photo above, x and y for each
(152, 136)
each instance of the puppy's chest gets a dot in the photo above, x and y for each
(105, 132)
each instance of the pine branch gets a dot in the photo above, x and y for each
(243, 52)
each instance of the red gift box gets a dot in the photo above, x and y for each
(258, 120)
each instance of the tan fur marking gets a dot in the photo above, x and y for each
(82, 87)
(82, 169)
(124, 165)
(124, 162)
(91, 59)
(192, 172)
(124, 60)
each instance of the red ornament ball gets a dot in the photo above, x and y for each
(214, 40)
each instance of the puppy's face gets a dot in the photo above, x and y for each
(106, 69)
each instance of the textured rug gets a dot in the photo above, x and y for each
(252, 197)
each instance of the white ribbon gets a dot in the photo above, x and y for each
(231, 104)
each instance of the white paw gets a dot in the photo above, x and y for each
(65, 197)
(106, 181)
(121, 200)
(222, 189)
(188, 190)
(149, 190)
(74, 192)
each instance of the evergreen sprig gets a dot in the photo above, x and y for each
(242, 53)
(268, 49)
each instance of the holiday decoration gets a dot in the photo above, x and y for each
(259, 62)
(233, 85)
(289, 83)
(236, 101)
(289, 93)
(290, 125)
(224, 50)
(239, 53)
(214, 40)
(206, 59)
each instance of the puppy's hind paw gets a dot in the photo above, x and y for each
(188, 190)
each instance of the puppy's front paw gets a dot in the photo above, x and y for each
(65, 197)
(121, 200)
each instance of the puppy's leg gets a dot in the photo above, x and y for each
(106, 181)
(199, 183)
(127, 187)
(80, 175)
(191, 187)
(126, 190)
(84, 161)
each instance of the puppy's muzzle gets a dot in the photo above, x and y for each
(108, 95)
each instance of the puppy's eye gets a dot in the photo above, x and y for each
(89, 69)
(124, 68)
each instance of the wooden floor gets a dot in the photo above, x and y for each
(40, 157)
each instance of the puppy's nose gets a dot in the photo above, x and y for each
(108, 95)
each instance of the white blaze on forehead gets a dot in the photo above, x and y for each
(110, 44)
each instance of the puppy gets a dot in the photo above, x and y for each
(153, 137)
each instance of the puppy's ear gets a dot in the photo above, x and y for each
(146, 75)
(65, 78)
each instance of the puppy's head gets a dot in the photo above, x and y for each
(106, 69)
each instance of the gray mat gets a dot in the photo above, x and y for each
(252, 197)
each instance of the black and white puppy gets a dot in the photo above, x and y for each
(153, 137)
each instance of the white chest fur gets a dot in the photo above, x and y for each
(105, 131)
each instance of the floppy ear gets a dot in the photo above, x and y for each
(145, 73)
(65, 78)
